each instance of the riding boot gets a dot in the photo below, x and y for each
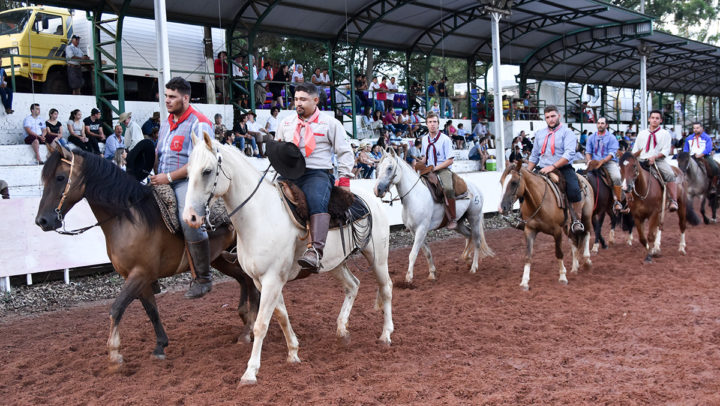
(617, 196)
(200, 261)
(319, 225)
(577, 225)
(452, 222)
(672, 191)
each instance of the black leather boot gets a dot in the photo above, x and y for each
(200, 258)
(319, 225)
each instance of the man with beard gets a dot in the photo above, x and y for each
(700, 146)
(602, 146)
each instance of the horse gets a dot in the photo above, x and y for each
(139, 245)
(603, 205)
(420, 213)
(269, 243)
(645, 199)
(541, 213)
(697, 185)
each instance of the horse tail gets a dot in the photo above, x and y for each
(690, 214)
(485, 249)
(627, 221)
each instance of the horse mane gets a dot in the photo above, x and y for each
(628, 155)
(112, 188)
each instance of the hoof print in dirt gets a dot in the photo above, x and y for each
(406, 285)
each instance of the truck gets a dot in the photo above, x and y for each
(38, 33)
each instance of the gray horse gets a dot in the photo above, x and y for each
(697, 185)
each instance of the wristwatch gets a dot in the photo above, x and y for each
(169, 177)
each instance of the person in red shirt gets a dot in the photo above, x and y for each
(222, 82)
(382, 94)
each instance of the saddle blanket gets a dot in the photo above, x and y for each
(167, 202)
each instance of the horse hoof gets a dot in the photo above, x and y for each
(682, 251)
(432, 277)
(293, 359)
(160, 357)
(525, 288)
(648, 259)
(384, 341)
(116, 358)
(563, 282)
(247, 382)
(344, 340)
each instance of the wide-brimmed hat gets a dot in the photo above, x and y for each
(124, 116)
(286, 158)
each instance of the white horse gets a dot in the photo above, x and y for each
(269, 243)
(421, 214)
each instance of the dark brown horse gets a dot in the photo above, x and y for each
(541, 213)
(645, 199)
(602, 206)
(139, 245)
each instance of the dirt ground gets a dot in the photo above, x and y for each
(621, 332)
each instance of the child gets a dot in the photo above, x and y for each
(435, 108)
(120, 158)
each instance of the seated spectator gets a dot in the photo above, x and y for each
(321, 80)
(54, 129)
(219, 128)
(365, 162)
(403, 120)
(242, 136)
(141, 159)
(4, 189)
(390, 121)
(228, 138)
(435, 108)
(253, 129)
(396, 138)
(120, 158)
(271, 125)
(76, 131)
(35, 131)
(415, 123)
(114, 142)
(414, 153)
(94, 130)
(152, 122)
(474, 153)
(462, 133)
(133, 133)
(376, 153)
(377, 122)
(6, 92)
(297, 77)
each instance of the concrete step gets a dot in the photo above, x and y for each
(465, 166)
(26, 175)
(19, 154)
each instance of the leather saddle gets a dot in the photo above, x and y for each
(431, 180)
(167, 202)
(651, 168)
(344, 207)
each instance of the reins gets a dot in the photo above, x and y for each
(393, 199)
(521, 221)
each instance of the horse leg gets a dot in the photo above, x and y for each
(481, 250)
(131, 289)
(586, 250)
(597, 225)
(705, 218)
(379, 260)
(654, 234)
(466, 232)
(559, 255)
(269, 296)
(283, 319)
(682, 219)
(529, 240)
(350, 285)
(148, 301)
(420, 235)
(431, 264)
(249, 294)
(611, 233)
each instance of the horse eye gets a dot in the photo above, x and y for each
(60, 178)
(206, 172)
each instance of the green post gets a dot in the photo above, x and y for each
(618, 111)
(427, 85)
(251, 62)
(352, 91)
(470, 66)
(485, 94)
(333, 103)
(407, 80)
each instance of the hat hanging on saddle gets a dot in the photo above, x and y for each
(286, 158)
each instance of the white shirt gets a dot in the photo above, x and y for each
(392, 87)
(253, 127)
(297, 77)
(272, 124)
(480, 130)
(133, 135)
(442, 152)
(373, 86)
(662, 138)
(73, 51)
(322, 78)
(36, 124)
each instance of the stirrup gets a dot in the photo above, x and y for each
(577, 224)
(304, 265)
(198, 288)
(670, 205)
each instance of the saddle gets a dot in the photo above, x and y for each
(556, 182)
(167, 202)
(344, 207)
(431, 180)
(655, 174)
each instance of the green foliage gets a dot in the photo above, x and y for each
(9, 5)
(691, 17)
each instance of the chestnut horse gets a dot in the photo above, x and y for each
(541, 213)
(645, 199)
(139, 245)
(603, 205)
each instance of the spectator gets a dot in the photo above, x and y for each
(384, 139)
(219, 128)
(297, 77)
(389, 121)
(94, 130)
(403, 120)
(414, 153)
(237, 70)
(114, 142)
(228, 138)
(242, 134)
(120, 158)
(382, 95)
(474, 153)
(583, 137)
(376, 153)
(253, 129)
(367, 122)
(415, 123)
(395, 139)
(133, 133)
(526, 143)
(152, 122)
(445, 107)
(54, 129)
(365, 162)
(435, 108)
(461, 132)
(506, 108)
(431, 91)
(4, 189)
(35, 130)
(361, 85)
(283, 76)
(321, 80)
(271, 125)
(393, 89)
(374, 92)
(221, 79)
(73, 54)
(76, 131)
(6, 92)
(415, 91)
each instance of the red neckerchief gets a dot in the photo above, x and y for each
(651, 136)
(309, 137)
(431, 143)
(186, 114)
(599, 145)
(697, 138)
(551, 133)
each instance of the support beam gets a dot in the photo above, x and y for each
(163, 54)
(644, 50)
(499, 124)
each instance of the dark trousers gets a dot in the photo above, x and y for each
(85, 146)
(6, 95)
(317, 185)
(141, 159)
(571, 182)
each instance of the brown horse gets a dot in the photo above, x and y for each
(602, 206)
(645, 199)
(139, 245)
(541, 213)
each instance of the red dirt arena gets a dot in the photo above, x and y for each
(620, 333)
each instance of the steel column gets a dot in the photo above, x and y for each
(163, 52)
(499, 124)
(643, 92)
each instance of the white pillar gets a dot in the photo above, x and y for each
(163, 53)
(643, 91)
(499, 124)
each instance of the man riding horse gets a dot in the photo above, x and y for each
(653, 146)
(437, 148)
(554, 149)
(318, 136)
(602, 147)
(700, 146)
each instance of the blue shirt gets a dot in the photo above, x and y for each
(174, 144)
(111, 145)
(702, 145)
(598, 147)
(565, 145)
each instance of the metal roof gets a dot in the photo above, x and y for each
(583, 41)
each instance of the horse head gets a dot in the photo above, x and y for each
(388, 172)
(629, 171)
(204, 182)
(62, 187)
(513, 186)
(683, 160)
(593, 165)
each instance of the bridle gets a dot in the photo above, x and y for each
(396, 198)
(633, 190)
(520, 221)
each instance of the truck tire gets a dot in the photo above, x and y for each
(56, 83)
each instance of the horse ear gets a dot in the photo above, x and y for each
(51, 147)
(391, 151)
(208, 140)
(64, 152)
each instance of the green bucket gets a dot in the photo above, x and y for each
(491, 165)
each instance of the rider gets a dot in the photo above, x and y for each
(701, 146)
(171, 158)
(602, 146)
(653, 145)
(318, 136)
(437, 148)
(554, 149)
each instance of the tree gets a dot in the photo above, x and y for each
(690, 18)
